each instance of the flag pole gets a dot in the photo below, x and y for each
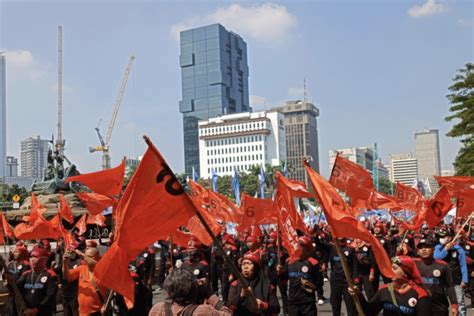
(243, 282)
(171, 251)
(462, 227)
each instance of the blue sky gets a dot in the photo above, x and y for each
(377, 70)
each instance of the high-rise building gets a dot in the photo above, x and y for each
(3, 116)
(12, 167)
(214, 81)
(301, 129)
(34, 157)
(427, 153)
(363, 156)
(403, 168)
(241, 141)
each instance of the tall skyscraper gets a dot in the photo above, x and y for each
(3, 116)
(34, 157)
(301, 129)
(214, 79)
(12, 167)
(427, 153)
(403, 168)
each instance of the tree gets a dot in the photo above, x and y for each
(462, 108)
(386, 186)
(7, 192)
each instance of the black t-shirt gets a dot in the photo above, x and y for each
(39, 290)
(298, 272)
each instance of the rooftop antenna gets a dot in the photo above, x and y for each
(305, 92)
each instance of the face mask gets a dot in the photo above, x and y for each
(443, 241)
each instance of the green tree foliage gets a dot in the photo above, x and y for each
(462, 109)
(7, 192)
(386, 186)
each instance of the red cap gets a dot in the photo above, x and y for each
(254, 257)
(91, 243)
(228, 239)
(46, 243)
(407, 264)
(251, 239)
(20, 244)
(38, 253)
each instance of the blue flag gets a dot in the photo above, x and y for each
(195, 176)
(236, 187)
(261, 178)
(214, 180)
(285, 170)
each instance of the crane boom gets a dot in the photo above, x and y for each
(118, 101)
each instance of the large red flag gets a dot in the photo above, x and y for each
(180, 238)
(223, 208)
(106, 182)
(295, 189)
(408, 198)
(284, 203)
(7, 230)
(380, 200)
(152, 207)
(341, 221)
(457, 182)
(97, 219)
(196, 228)
(65, 210)
(352, 179)
(36, 209)
(95, 203)
(81, 225)
(438, 206)
(41, 228)
(465, 203)
(257, 211)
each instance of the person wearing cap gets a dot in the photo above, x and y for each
(304, 276)
(403, 296)
(260, 298)
(366, 266)
(337, 279)
(230, 248)
(382, 235)
(196, 264)
(38, 286)
(402, 243)
(91, 296)
(436, 278)
(145, 266)
(455, 256)
(18, 265)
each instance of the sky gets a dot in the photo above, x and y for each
(377, 70)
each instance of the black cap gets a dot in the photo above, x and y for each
(443, 233)
(426, 242)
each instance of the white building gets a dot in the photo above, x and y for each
(403, 168)
(241, 141)
(3, 116)
(34, 157)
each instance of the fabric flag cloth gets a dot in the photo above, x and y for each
(465, 203)
(341, 221)
(195, 176)
(379, 200)
(41, 228)
(224, 209)
(236, 187)
(65, 210)
(354, 180)
(462, 189)
(261, 178)
(284, 203)
(408, 198)
(97, 219)
(95, 203)
(457, 182)
(180, 238)
(198, 193)
(36, 209)
(257, 211)
(106, 182)
(81, 225)
(152, 207)
(214, 180)
(196, 228)
(438, 206)
(7, 230)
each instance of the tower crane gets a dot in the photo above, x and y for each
(104, 146)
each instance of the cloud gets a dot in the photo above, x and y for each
(430, 7)
(23, 64)
(296, 92)
(267, 22)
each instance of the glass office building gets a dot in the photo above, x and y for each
(214, 81)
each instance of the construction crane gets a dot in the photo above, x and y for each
(105, 142)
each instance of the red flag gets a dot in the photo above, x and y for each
(223, 208)
(457, 182)
(97, 219)
(438, 206)
(196, 228)
(198, 193)
(152, 207)
(106, 182)
(295, 189)
(81, 225)
(465, 203)
(95, 203)
(41, 228)
(7, 230)
(341, 221)
(257, 211)
(65, 210)
(352, 179)
(180, 238)
(380, 200)
(284, 203)
(36, 209)
(408, 198)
